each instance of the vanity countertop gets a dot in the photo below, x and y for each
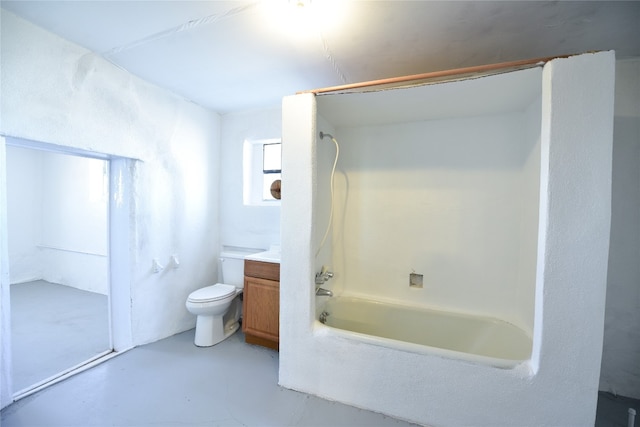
(272, 255)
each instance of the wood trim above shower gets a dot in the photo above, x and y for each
(443, 75)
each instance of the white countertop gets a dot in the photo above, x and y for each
(272, 255)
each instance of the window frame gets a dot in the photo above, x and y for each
(254, 183)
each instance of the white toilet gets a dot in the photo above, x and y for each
(218, 307)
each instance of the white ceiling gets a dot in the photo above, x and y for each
(240, 55)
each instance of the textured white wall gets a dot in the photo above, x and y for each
(6, 383)
(58, 221)
(24, 204)
(621, 354)
(528, 250)
(75, 193)
(75, 222)
(245, 226)
(57, 92)
(560, 387)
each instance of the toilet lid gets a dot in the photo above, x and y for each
(212, 293)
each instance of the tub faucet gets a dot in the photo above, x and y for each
(321, 292)
(323, 276)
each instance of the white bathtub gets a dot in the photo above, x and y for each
(473, 338)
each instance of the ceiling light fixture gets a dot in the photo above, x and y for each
(303, 19)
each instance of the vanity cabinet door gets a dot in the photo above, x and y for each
(261, 311)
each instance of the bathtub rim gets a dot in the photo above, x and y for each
(404, 304)
(319, 329)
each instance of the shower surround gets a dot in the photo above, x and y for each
(497, 191)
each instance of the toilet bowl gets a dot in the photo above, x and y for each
(216, 320)
(218, 306)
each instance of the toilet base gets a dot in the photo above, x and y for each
(210, 331)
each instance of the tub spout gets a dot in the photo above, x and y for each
(321, 292)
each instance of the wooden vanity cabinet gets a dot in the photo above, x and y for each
(261, 303)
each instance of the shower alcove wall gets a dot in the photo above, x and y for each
(497, 190)
(441, 181)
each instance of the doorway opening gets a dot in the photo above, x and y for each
(67, 215)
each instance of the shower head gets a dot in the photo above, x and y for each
(322, 135)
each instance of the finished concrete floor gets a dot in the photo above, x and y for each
(174, 383)
(613, 411)
(53, 328)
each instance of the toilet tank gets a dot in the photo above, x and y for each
(232, 267)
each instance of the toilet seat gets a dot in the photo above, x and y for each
(212, 293)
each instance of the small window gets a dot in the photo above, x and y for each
(272, 158)
(271, 168)
(262, 165)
